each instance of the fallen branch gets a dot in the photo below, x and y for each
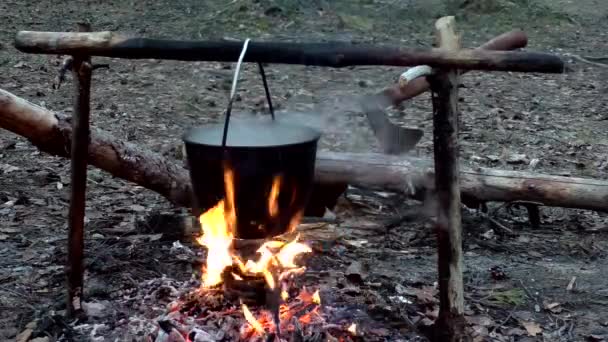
(595, 61)
(50, 132)
(111, 44)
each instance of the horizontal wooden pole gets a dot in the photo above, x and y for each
(331, 54)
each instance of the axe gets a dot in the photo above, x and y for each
(395, 139)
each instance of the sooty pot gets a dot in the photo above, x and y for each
(256, 152)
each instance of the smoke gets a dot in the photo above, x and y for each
(340, 120)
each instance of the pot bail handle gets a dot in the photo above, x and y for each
(233, 91)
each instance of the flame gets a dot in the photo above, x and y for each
(295, 220)
(275, 260)
(316, 298)
(302, 307)
(218, 241)
(257, 326)
(290, 251)
(273, 203)
(218, 224)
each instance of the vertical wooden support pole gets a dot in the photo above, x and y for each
(450, 325)
(81, 69)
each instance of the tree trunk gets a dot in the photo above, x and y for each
(413, 176)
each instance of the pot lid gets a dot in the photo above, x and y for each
(252, 134)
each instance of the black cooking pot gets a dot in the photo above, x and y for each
(256, 152)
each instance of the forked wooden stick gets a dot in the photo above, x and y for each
(450, 324)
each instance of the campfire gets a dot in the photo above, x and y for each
(250, 280)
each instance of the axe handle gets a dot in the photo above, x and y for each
(511, 40)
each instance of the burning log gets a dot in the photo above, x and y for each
(111, 44)
(51, 132)
(450, 324)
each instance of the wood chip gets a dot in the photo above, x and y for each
(532, 328)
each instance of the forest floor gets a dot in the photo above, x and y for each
(555, 287)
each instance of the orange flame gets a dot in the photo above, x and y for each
(257, 326)
(276, 260)
(218, 224)
(273, 203)
(316, 298)
(218, 241)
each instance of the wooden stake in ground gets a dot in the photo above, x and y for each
(450, 325)
(81, 69)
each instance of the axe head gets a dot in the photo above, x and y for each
(393, 139)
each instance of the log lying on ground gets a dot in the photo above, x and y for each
(333, 54)
(50, 132)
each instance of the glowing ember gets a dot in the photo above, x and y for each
(352, 329)
(302, 307)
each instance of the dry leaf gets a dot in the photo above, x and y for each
(532, 328)
(25, 335)
(426, 294)
(571, 285)
(9, 230)
(553, 307)
(516, 332)
(480, 320)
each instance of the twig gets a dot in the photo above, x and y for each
(588, 61)
(530, 295)
(504, 321)
(100, 66)
(496, 223)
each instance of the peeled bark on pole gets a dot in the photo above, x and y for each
(450, 325)
(395, 139)
(511, 40)
(51, 133)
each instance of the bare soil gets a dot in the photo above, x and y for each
(555, 287)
